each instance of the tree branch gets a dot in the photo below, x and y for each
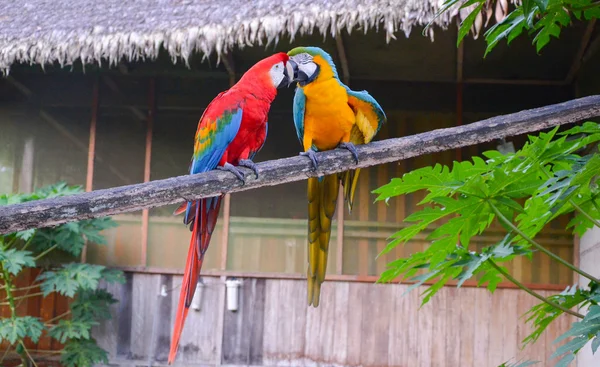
(47, 212)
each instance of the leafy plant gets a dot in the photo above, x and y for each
(552, 175)
(542, 19)
(47, 248)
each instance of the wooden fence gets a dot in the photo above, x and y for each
(357, 324)
(278, 246)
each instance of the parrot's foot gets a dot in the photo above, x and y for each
(313, 157)
(236, 171)
(351, 148)
(249, 164)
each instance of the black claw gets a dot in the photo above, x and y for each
(313, 157)
(249, 164)
(231, 168)
(351, 148)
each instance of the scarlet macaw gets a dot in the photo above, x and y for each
(328, 115)
(231, 131)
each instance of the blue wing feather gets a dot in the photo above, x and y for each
(298, 110)
(210, 157)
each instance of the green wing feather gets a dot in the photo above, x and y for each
(322, 201)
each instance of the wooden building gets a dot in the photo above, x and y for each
(106, 93)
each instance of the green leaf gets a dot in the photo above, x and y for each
(509, 203)
(472, 266)
(579, 328)
(513, 24)
(521, 364)
(83, 353)
(26, 235)
(595, 343)
(16, 328)
(71, 329)
(550, 25)
(71, 277)
(492, 278)
(572, 346)
(566, 360)
(92, 305)
(542, 4)
(14, 260)
(467, 24)
(113, 276)
(503, 249)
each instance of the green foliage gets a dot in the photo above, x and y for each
(551, 175)
(582, 331)
(26, 249)
(70, 278)
(82, 352)
(69, 329)
(519, 364)
(92, 305)
(17, 328)
(14, 260)
(541, 19)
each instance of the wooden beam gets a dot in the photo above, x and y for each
(578, 59)
(147, 164)
(230, 66)
(89, 181)
(48, 212)
(328, 278)
(203, 74)
(514, 81)
(339, 255)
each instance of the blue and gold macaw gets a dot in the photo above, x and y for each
(328, 115)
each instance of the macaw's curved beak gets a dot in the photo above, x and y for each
(290, 72)
(305, 73)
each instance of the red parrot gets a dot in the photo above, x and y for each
(231, 131)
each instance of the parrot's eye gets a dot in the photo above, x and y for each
(277, 74)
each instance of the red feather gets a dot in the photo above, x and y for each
(254, 93)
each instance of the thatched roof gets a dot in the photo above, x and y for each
(47, 31)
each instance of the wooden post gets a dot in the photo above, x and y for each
(92, 144)
(27, 165)
(578, 58)
(89, 181)
(147, 164)
(460, 52)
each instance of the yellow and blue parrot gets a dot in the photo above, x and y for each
(328, 115)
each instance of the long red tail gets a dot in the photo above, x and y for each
(204, 219)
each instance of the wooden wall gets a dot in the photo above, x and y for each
(46, 308)
(268, 233)
(357, 324)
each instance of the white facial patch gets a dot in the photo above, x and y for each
(276, 73)
(309, 68)
(306, 65)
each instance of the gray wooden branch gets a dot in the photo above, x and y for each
(130, 198)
